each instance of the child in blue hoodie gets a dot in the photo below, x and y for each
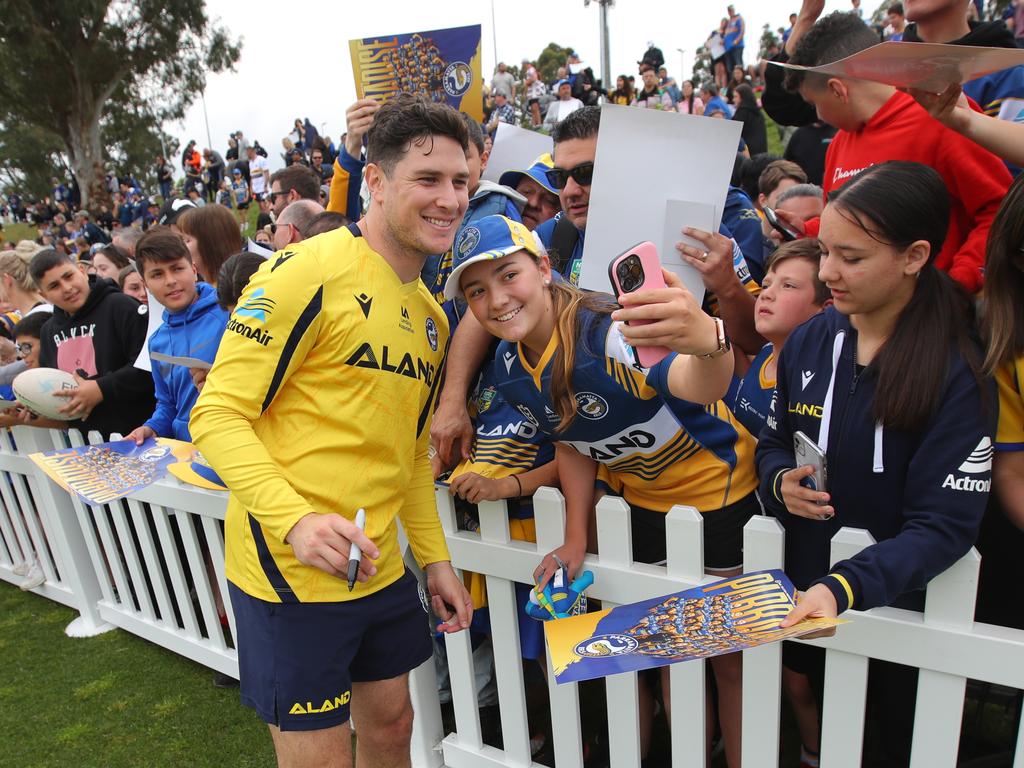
(193, 325)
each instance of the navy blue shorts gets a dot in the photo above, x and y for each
(297, 661)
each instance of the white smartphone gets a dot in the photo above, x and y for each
(807, 452)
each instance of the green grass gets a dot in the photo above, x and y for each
(19, 231)
(111, 701)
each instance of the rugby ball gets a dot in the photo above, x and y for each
(36, 388)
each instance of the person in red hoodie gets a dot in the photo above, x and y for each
(878, 123)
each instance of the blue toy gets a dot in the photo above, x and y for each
(558, 601)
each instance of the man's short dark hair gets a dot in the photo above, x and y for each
(31, 325)
(896, 8)
(300, 178)
(581, 124)
(832, 38)
(410, 119)
(476, 135)
(326, 221)
(234, 277)
(46, 260)
(160, 245)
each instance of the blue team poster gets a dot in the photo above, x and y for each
(729, 615)
(442, 63)
(99, 474)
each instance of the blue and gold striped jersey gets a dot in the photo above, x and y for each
(654, 448)
(320, 401)
(506, 442)
(1010, 433)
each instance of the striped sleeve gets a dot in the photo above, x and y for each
(1010, 432)
(268, 336)
(345, 183)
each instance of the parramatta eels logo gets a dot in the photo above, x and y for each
(468, 240)
(602, 646)
(457, 78)
(257, 306)
(591, 406)
(155, 453)
(432, 333)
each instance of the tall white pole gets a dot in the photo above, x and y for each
(606, 66)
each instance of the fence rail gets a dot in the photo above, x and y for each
(153, 565)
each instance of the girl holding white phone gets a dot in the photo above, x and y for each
(888, 382)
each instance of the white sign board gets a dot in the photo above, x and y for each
(514, 149)
(655, 173)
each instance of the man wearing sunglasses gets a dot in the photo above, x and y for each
(575, 140)
(291, 225)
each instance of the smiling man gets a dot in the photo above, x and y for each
(317, 406)
(96, 333)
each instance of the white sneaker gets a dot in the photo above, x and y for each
(34, 578)
(22, 568)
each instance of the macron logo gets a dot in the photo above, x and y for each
(509, 359)
(980, 459)
(805, 378)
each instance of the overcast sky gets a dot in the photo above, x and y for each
(295, 60)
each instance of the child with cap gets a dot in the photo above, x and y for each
(240, 190)
(660, 437)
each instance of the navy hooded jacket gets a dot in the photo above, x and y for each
(192, 332)
(921, 495)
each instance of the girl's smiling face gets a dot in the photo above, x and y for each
(510, 298)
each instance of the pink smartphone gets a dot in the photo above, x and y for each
(639, 269)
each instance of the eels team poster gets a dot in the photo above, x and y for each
(99, 474)
(729, 615)
(442, 63)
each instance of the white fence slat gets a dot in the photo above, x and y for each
(508, 663)
(200, 579)
(938, 713)
(684, 528)
(463, 683)
(179, 587)
(152, 560)
(131, 557)
(111, 554)
(615, 545)
(549, 513)
(13, 547)
(215, 542)
(763, 549)
(846, 679)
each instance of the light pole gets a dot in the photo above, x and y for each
(682, 64)
(606, 66)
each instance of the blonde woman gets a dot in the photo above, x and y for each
(17, 288)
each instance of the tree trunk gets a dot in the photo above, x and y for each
(85, 150)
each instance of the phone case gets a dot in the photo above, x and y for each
(639, 269)
(806, 451)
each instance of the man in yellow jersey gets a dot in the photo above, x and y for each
(319, 404)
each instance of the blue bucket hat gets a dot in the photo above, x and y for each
(536, 171)
(492, 237)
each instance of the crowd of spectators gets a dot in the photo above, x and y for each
(839, 310)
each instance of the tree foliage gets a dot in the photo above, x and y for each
(102, 75)
(768, 39)
(550, 59)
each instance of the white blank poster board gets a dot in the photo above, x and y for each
(514, 149)
(655, 173)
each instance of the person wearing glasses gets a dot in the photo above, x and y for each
(290, 226)
(296, 182)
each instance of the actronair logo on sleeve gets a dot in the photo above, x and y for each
(978, 462)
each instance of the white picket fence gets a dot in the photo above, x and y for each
(153, 565)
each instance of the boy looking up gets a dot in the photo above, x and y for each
(193, 326)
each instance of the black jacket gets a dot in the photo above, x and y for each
(103, 339)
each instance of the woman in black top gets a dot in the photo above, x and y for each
(749, 113)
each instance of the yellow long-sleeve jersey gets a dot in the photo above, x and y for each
(320, 401)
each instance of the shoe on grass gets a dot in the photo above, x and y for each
(34, 578)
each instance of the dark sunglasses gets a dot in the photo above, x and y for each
(274, 227)
(582, 174)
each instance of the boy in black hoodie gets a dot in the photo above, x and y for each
(96, 333)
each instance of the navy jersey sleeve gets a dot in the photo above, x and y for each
(945, 496)
(774, 455)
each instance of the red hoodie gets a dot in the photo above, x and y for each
(976, 179)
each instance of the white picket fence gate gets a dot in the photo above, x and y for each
(153, 565)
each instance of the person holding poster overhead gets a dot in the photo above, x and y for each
(658, 436)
